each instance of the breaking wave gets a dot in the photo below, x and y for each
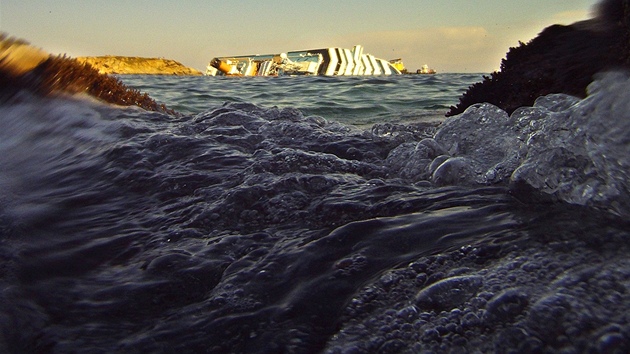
(252, 229)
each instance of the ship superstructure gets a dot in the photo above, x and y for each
(326, 61)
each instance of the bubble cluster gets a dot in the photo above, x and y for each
(538, 296)
(561, 148)
(251, 229)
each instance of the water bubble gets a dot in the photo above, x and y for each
(448, 293)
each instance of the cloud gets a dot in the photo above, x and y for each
(464, 38)
(447, 49)
(569, 17)
(532, 29)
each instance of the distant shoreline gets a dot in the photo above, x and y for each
(122, 65)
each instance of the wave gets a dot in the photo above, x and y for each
(562, 147)
(251, 229)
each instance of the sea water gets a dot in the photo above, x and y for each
(310, 214)
(355, 100)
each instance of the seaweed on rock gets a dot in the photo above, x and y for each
(25, 68)
(68, 75)
(561, 59)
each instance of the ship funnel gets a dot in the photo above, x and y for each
(357, 52)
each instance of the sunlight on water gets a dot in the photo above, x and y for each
(351, 100)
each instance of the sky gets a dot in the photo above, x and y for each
(448, 35)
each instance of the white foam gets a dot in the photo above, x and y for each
(575, 150)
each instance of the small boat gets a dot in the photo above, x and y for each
(326, 61)
(425, 70)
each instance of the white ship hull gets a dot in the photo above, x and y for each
(327, 62)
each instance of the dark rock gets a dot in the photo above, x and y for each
(561, 59)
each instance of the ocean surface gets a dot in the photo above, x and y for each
(315, 215)
(355, 100)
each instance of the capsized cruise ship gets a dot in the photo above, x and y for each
(327, 61)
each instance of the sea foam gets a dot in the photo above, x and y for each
(564, 148)
(252, 229)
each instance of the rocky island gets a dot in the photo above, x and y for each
(136, 65)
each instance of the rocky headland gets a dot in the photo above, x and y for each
(25, 68)
(137, 65)
(561, 59)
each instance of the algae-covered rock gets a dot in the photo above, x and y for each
(24, 67)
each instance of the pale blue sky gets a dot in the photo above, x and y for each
(448, 35)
